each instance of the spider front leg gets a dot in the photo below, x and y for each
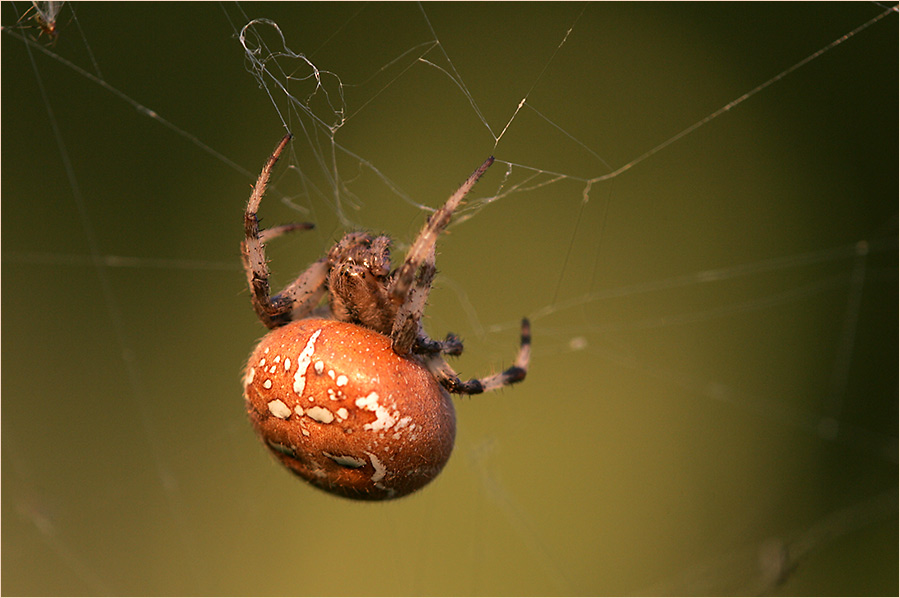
(301, 296)
(409, 287)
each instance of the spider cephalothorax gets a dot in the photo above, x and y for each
(354, 399)
(358, 280)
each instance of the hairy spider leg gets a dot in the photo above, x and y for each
(299, 297)
(427, 238)
(408, 333)
(267, 234)
(408, 322)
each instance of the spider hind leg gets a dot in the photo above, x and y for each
(511, 375)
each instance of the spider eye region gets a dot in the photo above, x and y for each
(351, 269)
(338, 407)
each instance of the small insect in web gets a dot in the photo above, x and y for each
(352, 395)
(45, 16)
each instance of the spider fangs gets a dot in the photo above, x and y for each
(352, 396)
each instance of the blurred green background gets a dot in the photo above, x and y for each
(712, 406)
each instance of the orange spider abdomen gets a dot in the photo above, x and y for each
(339, 408)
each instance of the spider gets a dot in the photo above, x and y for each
(352, 395)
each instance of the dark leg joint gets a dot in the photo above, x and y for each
(526, 331)
(472, 387)
(514, 374)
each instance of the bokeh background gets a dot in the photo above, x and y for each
(712, 406)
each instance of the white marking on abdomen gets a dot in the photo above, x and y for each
(303, 361)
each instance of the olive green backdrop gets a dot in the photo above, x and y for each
(712, 405)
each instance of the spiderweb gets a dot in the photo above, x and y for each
(694, 204)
